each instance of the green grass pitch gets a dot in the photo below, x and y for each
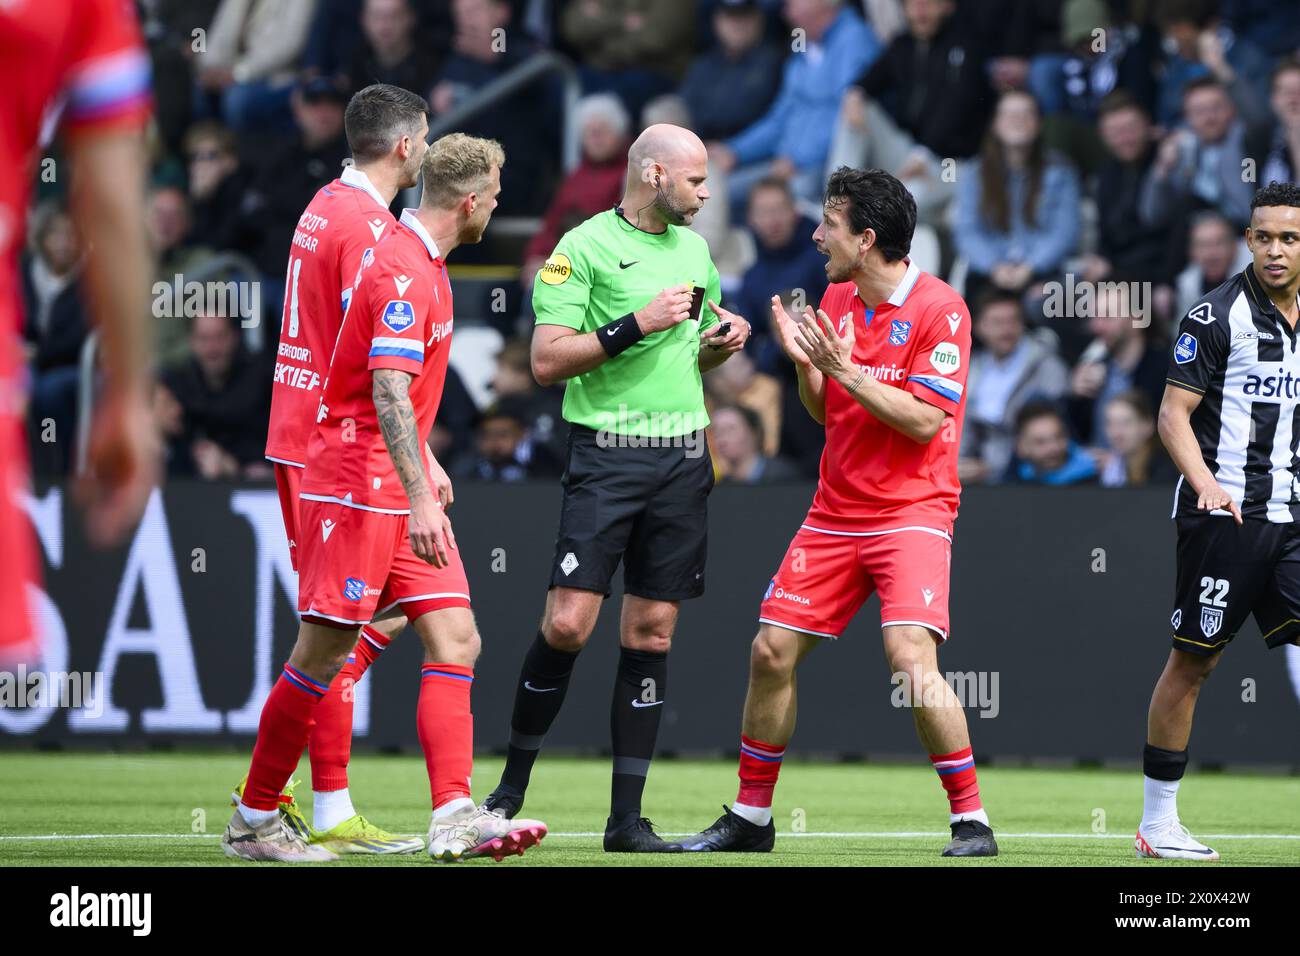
(168, 809)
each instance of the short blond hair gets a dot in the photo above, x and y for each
(456, 165)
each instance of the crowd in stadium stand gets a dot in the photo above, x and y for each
(1053, 146)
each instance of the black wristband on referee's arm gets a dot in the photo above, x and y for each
(620, 335)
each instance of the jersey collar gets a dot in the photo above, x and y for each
(903, 289)
(351, 176)
(642, 234)
(412, 222)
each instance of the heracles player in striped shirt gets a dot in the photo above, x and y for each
(1231, 420)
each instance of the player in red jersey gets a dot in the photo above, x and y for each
(80, 64)
(883, 365)
(374, 534)
(386, 128)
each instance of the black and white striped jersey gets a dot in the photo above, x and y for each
(1236, 350)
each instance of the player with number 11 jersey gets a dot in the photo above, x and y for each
(337, 231)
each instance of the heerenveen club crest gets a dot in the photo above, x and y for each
(1211, 621)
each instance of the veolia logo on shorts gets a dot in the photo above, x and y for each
(782, 594)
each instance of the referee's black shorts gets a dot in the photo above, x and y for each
(1226, 572)
(644, 505)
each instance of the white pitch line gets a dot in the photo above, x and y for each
(847, 835)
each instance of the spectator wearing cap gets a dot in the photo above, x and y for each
(392, 50)
(55, 329)
(732, 84)
(1126, 243)
(251, 58)
(792, 139)
(213, 409)
(1045, 453)
(1215, 252)
(1135, 456)
(737, 444)
(635, 49)
(926, 99)
(1012, 368)
(594, 186)
(1017, 211)
(504, 449)
(290, 175)
(1199, 166)
(785, 258)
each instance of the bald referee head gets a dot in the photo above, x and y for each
(666, 170)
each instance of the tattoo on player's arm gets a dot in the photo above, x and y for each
(391, 393)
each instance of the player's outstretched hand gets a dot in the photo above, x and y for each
(829, 350)
(665, 310)
(785, 326)
(430, 530)
(1214, 498)
(122, 467)
(734, 340)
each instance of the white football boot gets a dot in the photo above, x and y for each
(477, 831)
(1170, 841)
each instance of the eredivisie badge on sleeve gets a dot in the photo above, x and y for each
(398, 315)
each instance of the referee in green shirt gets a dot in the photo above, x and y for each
(627, 313)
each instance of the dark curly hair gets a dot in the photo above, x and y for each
(1276, 194)
(877, 201)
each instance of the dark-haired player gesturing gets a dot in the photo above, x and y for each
(1231, 421)
(883, 365)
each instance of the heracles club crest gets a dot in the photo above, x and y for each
(1211, 621)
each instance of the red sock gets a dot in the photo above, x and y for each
(330, 746)
(370, 645)
(760, 764)
(446, 729)
(957, 774)
(287, 718)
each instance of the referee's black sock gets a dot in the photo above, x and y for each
(634, 718)
(543, 681)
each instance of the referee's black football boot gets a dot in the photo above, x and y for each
(633, 833)
(732, 833)
(506, 799)
(971, 838)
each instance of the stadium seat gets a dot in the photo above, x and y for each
(474, 356)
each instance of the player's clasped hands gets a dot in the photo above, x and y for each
(432, 539)
(828, 349)
(669, 308)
